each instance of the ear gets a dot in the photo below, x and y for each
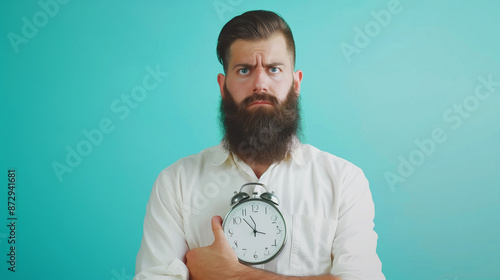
(221, 79)
(297, 78)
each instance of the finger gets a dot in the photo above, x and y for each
(217, 228)
(220, 241)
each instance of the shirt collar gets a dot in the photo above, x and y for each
(221, 154)
(296, 152)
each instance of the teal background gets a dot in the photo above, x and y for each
(442, 222)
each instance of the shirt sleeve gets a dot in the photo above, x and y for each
(163, 245)
(355, 243)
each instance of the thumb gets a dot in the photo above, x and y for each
(220, 243)
(217, 229)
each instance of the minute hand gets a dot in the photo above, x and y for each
(255, 231)
(249, 224)
(253, 223)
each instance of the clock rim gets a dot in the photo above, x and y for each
(284, 222)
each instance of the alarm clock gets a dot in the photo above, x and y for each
(255, 227)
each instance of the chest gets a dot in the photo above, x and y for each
(310, 193)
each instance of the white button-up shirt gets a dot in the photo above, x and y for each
(325, 200)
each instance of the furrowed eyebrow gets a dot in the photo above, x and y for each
(246, 65)
(243, 65)
(271, 65)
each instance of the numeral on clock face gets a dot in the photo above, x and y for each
(266, 252)
(279, 230)
(274, 218)
(255, 208)
(236, 220)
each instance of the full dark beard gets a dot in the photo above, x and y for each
(263, 135)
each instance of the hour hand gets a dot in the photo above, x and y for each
(255, 231)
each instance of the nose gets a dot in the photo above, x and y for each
(261, 81)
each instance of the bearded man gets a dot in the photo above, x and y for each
(325, 200)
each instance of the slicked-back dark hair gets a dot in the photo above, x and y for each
(252, 25)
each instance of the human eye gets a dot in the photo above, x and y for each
(274, 70)
(243, 71)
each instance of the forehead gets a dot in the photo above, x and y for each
(271, 50)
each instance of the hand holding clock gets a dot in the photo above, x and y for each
(219, 261)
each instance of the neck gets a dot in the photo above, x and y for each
(257, 168)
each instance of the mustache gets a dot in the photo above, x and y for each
(259, 97)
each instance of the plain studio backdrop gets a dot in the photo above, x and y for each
(97, 97)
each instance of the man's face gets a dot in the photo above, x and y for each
(264, 66)
(259, 108)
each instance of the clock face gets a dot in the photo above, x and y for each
(256, 231)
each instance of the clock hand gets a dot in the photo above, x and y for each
(260, 232)
(255, 227)
(253, 222)
(249, 225)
